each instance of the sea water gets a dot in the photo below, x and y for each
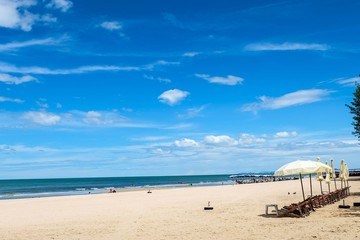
(28, 188)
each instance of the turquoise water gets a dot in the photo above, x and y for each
(27, 188)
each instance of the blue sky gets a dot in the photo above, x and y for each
(138, 88)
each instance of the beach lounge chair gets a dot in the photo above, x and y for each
(300, 209)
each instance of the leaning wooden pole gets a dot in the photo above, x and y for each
(302, 187)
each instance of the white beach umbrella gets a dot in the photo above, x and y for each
(300, 167)
(327, 177)
(333, 173)
(342, 172)
(346, 174)
(320, 177)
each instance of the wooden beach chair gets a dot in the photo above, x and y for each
(300, 209)
(316, 201)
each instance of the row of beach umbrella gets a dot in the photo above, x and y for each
(301, 167)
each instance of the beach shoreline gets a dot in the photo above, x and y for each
(178, 213)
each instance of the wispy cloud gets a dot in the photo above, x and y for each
(15, 100)
(12, 46)
(192, 112)
(70, 119)
(62, 5)
(220, 140)
(42, 118)
(247, 139)
(190, 54)
(173, 96)
(9, 68)
(228, 80)
(17, 15)
(300, 97)
(166, 80)
(287, 46)
(186, 142)
(159, 63)
(285, 134)
(150, 138)
(9, 79)
(111, 25)
(350, 82)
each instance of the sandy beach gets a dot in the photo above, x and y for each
(178, 213)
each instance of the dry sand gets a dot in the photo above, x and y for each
(178, 213)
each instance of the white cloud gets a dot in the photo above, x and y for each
(157, 78)
(42, 103)
(287, 46)
(62, 5)
(286, 134)
(249, 139)
(34, 42)
(9, 68)
(111, 25)
(350, 82)
(291, 99)
(8, 79)
(151, 138)
(42, 118)
(160, 151)
(220, 140)
(101, 118)
(15, 14)
(173, 96)
(228, 80)
(186, 142)
(159, 63)
(192, 112)
(15, 100)
(190, 54)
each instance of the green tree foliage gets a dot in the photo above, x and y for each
(354, 107)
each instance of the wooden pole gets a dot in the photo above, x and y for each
(310, 185)
(321, 187)
(302, 187)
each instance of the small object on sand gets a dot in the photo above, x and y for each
(343, 205)
(288, 193)
(356, 204)
(149, 191)
(208, 207)
(294, 192)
